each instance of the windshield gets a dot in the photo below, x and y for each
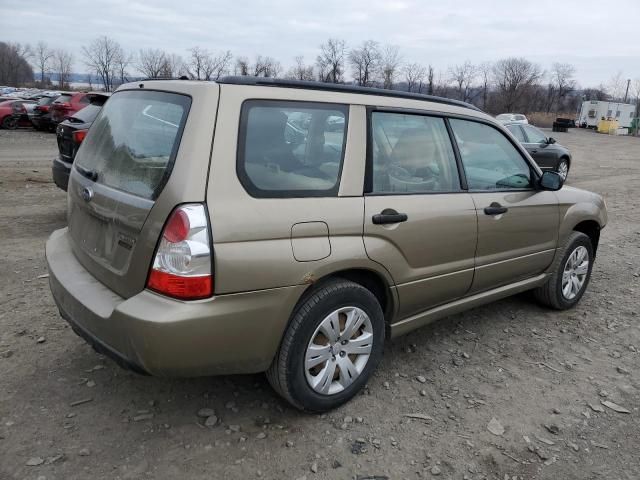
(133, 141)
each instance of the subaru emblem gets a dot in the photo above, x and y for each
(87, 194)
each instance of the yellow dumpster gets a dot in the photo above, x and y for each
(609, 127)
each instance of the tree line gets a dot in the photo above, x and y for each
(506, 85)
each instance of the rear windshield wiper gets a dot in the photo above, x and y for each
(85, 172)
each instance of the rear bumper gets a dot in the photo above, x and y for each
(41, 121)
(149, 333)
(60, 171)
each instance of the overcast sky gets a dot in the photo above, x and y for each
(599, 41)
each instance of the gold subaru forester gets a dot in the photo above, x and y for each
(251, 225)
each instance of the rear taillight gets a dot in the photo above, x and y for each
(182, 264)
(78, 136)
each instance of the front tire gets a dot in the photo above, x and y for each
(331, 347)
(570, 275)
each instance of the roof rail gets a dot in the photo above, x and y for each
(339, 87)
(148, 79)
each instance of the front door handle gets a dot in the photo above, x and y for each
(534, 151)
(389, 215)
(495, 209)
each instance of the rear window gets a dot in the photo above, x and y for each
(291, 149)
(45, 100)
(63, 98)
(87, 114)
(133, 142)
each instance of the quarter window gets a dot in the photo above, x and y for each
(490, 160)
(291, 148)
(412, 154)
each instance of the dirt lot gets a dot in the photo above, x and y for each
(540, 374)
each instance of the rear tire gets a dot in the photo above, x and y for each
(301, 385)
(565, 287)
(9, 123)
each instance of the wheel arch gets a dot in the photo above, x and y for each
(370, 279)
(590, 228)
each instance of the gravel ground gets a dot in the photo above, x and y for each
(534, 377)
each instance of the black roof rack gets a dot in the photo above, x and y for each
(339, 87)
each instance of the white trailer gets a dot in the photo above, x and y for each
(592, 111)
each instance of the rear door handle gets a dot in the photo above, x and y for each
(495, 209)
(389, 215)
(534, 151)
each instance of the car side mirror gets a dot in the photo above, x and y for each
(551, 181)
(551, 140)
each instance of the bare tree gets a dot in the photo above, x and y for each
(598, 93)
(484, 73)
(616, 86)
(271, 68)
(389, 65)
(265, 67)
(215, 67)
(103, 56)
(63, 63)
(463, 76)
(242, 66)
(122, 62)
(430, 83)
(414, 74)
(365, 62)
(43, 56)
(197, 62)
(151, 62)
(330, 62)
(300, 71)
(562, 82)
(172, 66)
(514, 77)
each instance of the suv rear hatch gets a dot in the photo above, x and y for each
(120, 170)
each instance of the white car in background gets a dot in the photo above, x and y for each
(512, 118)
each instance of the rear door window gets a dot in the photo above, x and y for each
(517, 132)
(535, 135)
(133, 142)
(412, 154)
(291, 149)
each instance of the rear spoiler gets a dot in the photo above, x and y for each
(98, 98)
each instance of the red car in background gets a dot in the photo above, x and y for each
(66, 105)
(13, 113)
(41, 116)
